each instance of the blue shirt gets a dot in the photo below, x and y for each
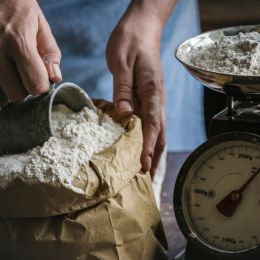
(82, 29)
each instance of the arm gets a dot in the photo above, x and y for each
(29, 55)
(133, 57)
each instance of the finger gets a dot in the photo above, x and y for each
(32, 71)
(49, 50)
(148, 81)
(3, 99)
(150, 104)
(151, 130)
(21, 46)
(160, 146)
(23, 50)
(123, 91)
(10, 81)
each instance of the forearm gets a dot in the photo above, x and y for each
(160, 9)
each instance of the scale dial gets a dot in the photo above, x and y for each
(217, 194)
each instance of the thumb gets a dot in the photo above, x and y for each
(123, 92)
(49, 50)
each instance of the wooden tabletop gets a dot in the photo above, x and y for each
(176, 241)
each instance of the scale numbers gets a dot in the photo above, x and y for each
(220, 195)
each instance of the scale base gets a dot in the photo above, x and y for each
(192, 253)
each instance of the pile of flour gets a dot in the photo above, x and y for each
(238, 54)
(77, 136)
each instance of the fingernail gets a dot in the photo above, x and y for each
(124, 107)
(56, 71)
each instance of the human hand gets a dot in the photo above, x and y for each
(29, 55)
(133, 57)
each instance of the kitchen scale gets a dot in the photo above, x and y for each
(217, 191)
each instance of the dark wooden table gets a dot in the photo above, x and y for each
(176, 241)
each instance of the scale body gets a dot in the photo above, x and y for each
(216, 195)
(220, 165)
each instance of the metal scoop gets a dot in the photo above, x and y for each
(28, 123)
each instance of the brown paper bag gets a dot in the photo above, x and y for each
(115, 218)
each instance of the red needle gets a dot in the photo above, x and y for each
(228, 205)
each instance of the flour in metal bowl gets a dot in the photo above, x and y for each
(236, 54)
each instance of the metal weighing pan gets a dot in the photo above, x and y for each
(225, 83)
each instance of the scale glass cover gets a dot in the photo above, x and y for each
(217, 197)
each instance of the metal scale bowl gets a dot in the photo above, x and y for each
(217, 192)
(243, 92)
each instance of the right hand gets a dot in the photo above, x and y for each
(133, 57)
(29, 56)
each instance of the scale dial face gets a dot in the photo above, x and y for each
(219, 194)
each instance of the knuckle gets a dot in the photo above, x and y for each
(44, 26)
(161, 145)
(123, 89)
(50, 51)
(54, 52)
(149, 84)
(120, 64)
(10, 35)
(154, 124)
(17, 42)
(122, 67)
(122, 94)
(51, 56)
(58, 52)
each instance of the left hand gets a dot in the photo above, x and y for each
(29, 56)
(133, 57)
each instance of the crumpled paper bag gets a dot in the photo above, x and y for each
(115, 217)
(107, 172)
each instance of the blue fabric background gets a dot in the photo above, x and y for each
(82, 29)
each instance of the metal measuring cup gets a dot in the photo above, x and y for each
(28, 123)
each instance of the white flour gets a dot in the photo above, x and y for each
(239, 54)
(77, 136)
